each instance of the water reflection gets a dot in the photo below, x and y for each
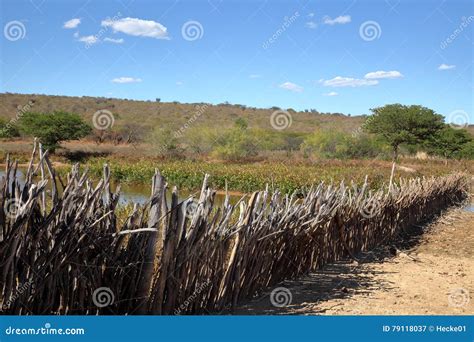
(139, 193)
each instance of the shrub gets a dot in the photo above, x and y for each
(8, 129)
(53, 128)
(236, 143)
(340, 145)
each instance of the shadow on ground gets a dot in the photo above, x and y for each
(338, 280)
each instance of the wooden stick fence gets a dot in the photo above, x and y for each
(62, 252)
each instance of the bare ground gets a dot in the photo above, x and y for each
(429, 272)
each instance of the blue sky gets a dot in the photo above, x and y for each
(334, 56)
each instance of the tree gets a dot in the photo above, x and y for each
(53, 128)
(449, 142)
(467, 151)
(399, 124)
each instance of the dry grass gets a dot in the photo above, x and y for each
(172, 115)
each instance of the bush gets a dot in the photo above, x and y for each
(53, 128)
(236, 143)
(8, 129)
(450, 143)
(340, 145)
(165, 142)
(467, 152)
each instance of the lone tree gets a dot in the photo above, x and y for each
(399, 124)
(52, 128)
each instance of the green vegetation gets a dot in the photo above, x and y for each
(399, 124)
(340, 145)
(450, 143)
(248, 177)
(232, 133)
(8, 129)
(236, 143)
(52, 128)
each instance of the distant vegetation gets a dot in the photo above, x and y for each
(53, 128)
(235, 132)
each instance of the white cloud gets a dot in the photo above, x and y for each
(332, 93)
(88, 39)
(255, 76)
(311, 15)
(137, 27)
(343, 19)
(291, 87)
(340, 81)
(73, 23)
(112, 40)
(446, 67)
(311, 25)
(383, 74)
(126, 80)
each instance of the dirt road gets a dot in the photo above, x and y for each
(424, 274)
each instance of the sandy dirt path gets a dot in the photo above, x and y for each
(423, 274)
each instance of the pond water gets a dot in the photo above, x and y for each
(140, 192)
(469, 207)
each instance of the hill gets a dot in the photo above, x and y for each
(173, 115)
